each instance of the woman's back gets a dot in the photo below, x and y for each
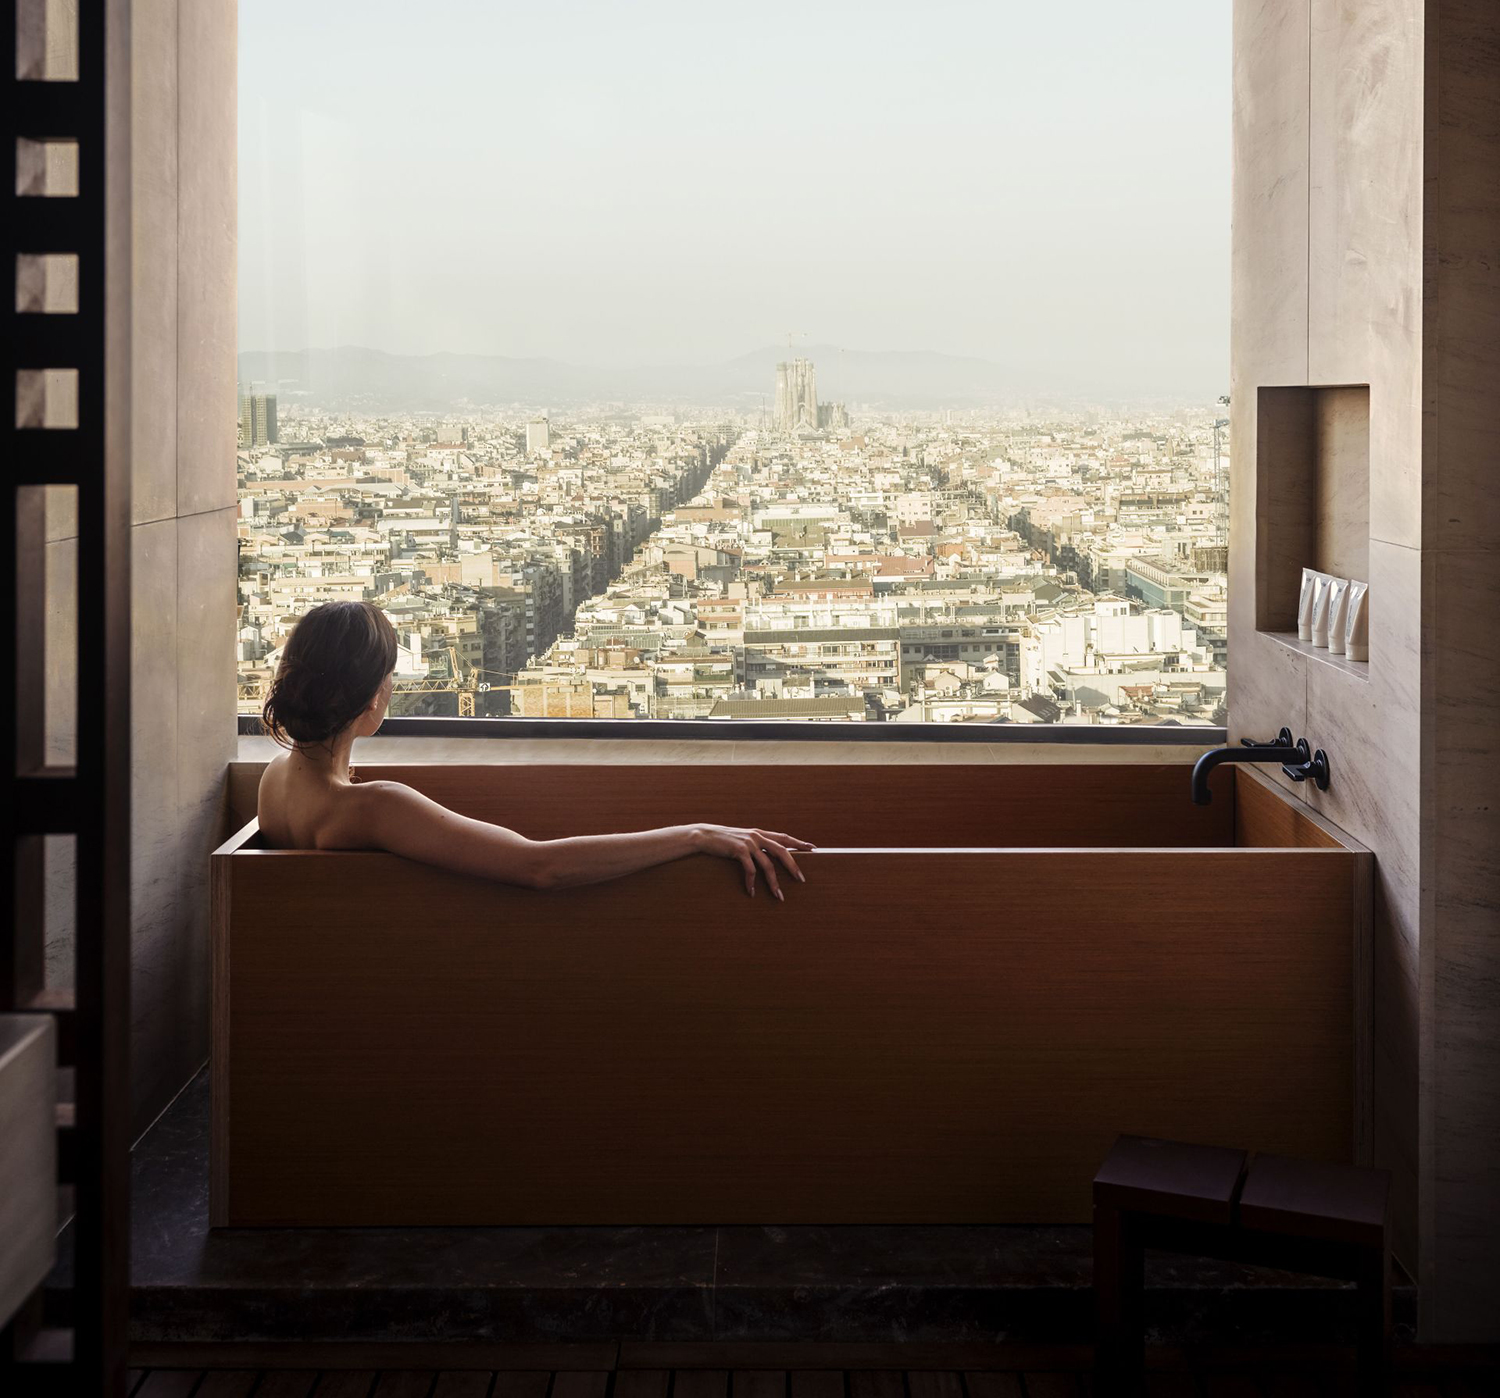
(298, 806)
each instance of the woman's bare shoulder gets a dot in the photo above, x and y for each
(268, 792)
(359, 818)
(286, 820)
(368, 795)
(378, 784)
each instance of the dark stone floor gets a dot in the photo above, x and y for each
(874, 1284)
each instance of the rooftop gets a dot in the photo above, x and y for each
(852, 707)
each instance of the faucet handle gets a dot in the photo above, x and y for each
(1299, 771)
(1282, 740)
(1313, 767)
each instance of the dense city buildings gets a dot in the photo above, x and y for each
(982, 566)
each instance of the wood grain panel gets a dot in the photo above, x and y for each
(299, 1383)
(580, 1383)
(460, 1383)
(240, 1383)
(934, 1383)
(642, 1383)
(242, 784)
(876, 1383)
(816, 1383)
(347, 1383)
(526, 1383)
(759, 1383)
(1265, 819)
(992, 1385)
(913, 1037)
(855, 805)
(409, 1383)
(700, 1383)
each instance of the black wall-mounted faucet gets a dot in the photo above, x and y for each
(1297, 761)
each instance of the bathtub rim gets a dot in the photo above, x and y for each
(238, 840)
(238, 844)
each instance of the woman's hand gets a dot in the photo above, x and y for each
(755, 850)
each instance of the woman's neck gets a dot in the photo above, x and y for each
(331, 759)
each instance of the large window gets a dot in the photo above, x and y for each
(796, 361)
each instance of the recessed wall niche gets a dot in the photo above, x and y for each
(1312, 493)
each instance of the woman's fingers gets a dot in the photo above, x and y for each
(767, 868)
(759, 852)
(781, 852)
(749, 866)
(778, 844)
(784, 839)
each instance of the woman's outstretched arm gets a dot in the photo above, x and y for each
(390, 816)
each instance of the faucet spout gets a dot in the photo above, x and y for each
(1275, 751)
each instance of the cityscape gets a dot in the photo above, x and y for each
(803, 560)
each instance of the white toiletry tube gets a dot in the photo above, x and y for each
(1338, 611)
(1305, 603)
(1321, 588)
(1357, 622)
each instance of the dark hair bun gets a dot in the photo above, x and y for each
(333, 665)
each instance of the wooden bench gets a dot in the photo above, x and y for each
(1268, 1210)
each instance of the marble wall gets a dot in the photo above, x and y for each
(1365, 222)
(183, 195)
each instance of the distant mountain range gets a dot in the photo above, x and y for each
(348, 377)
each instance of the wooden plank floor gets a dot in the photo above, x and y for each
(1209, 1382)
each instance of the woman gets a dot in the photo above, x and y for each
(334, 685)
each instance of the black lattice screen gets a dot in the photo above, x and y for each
(65, 75)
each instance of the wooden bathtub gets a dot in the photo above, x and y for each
(990, 972)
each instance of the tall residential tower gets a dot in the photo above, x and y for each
(258, 419)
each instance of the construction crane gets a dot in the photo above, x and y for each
(456, 682)
(1221, 504)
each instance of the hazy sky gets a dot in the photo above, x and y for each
(654, 182)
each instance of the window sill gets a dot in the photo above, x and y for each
(1170, 746)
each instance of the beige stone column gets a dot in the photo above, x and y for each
(183, 171)
(1366, 221)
